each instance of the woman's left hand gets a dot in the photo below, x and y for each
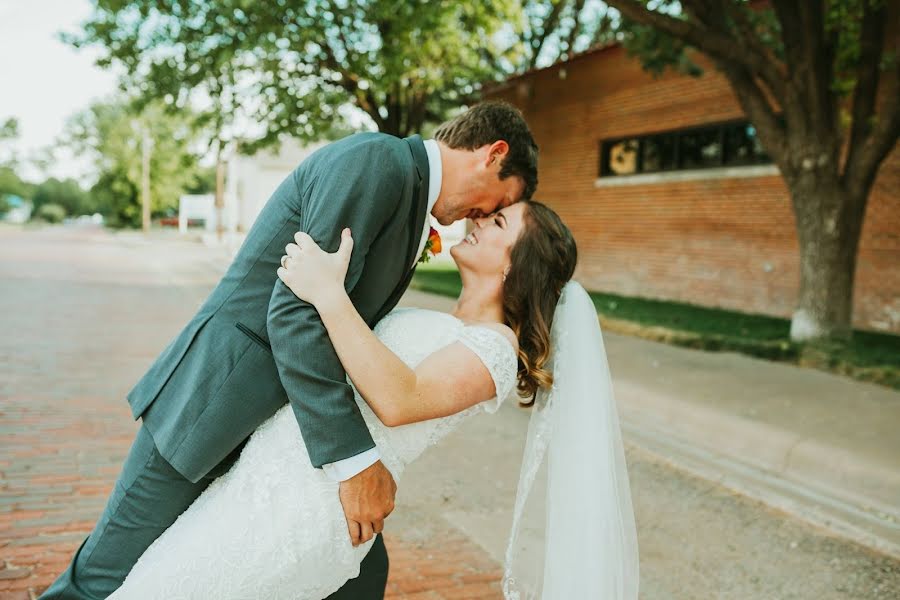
(313, 274)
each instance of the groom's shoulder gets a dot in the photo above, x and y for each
(367, 149)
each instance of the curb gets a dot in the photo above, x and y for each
(826, 486)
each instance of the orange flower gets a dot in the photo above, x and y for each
(432, 246)
(435, 238)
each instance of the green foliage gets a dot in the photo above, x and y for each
(204, 181)
(553, 30)
(9, 129)
(657, 51)
(11, 184)
(9, 133)
(293, 64)
(843, 26)
(117, 198)
(51, 213)
(113, 134)
(66, 194)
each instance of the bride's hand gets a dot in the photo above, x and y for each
(313, 274)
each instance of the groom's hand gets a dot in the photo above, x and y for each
(368, 498)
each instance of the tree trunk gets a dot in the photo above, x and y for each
(829, 223)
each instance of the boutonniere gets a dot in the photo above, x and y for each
(432, 246)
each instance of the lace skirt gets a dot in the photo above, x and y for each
(272, 527)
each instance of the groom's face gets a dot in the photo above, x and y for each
(479, 191)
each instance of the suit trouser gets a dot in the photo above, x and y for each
(145, 501)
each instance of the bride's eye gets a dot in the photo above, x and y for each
(497, 222)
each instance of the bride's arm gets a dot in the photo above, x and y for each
(446, 382)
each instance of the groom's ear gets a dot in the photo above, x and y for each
(496, 153)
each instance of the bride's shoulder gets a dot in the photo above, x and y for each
(503, 330)
(408, 315)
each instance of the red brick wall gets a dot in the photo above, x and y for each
(727, 243)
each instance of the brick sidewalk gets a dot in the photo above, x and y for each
(84, 313)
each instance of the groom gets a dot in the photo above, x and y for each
(253, 345)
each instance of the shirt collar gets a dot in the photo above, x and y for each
(434, 173)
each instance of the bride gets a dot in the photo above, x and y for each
(273, 527)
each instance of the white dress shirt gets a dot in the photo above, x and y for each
(343, 470)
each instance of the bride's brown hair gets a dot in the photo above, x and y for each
(541, 262)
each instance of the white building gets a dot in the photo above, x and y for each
(250, 181)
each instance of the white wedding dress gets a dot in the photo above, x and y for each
(273, 527)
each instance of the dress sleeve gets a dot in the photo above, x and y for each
(498, 356)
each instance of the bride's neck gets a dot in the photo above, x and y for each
(481, 300)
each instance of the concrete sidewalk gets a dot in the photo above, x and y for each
(819, 446)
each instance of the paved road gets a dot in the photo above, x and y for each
(84, 312)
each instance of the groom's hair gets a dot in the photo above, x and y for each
(487, 123)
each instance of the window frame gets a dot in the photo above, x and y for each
(722, 127)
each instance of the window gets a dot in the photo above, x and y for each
(722, 145)
(623, 157)
(742, 145)
(658, 153)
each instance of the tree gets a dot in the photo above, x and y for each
(294, 64)
(111, 132)
(117, 198)
(12, 185)
(819, 81)
(554, 30)
(9, 133)
(66, 194)
(10, 182)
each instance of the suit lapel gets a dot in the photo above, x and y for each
(420, 195)
(418, 207)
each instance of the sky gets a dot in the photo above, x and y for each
(44, 81)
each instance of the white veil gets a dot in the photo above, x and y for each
(579, 540)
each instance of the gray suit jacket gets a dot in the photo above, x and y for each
(253, 345)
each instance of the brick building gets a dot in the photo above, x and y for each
(670, 195)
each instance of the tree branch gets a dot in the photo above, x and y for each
(603, 29)
(350, 82)
(866, 156)
(760, 112)
(770, 69)
(548, 26)
(871, 44)
(573, 34)
(787, 12)
(717, 44)
(821, 101)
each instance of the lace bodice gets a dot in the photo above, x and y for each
(413, 334)
(273, 526)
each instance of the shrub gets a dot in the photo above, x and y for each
(51, 213)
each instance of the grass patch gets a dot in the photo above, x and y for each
(868, 356)
(437, 278)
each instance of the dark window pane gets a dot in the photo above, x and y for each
(622, 157)
(742, 146)
(658, 153)
(700, 148)
(729, 144)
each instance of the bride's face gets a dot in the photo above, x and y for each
(487, 248)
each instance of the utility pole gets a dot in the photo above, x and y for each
(145, 177)
(220, 194)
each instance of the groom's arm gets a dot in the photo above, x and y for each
(363, 193)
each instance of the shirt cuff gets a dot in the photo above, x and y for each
(343, 470)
